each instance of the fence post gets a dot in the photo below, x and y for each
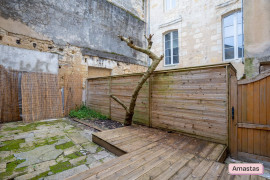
(110, 91)
(150, 100)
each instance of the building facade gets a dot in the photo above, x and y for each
(200, 32)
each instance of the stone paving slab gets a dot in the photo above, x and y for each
(41, 148)
(68, 173)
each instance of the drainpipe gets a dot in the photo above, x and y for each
(242, 9)
(148, 28)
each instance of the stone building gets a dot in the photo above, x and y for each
(200, 32)
(82, 33)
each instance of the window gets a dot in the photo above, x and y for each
(171, 48)
(170, 4)
(232, 36)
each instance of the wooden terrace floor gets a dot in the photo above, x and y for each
(147, 153)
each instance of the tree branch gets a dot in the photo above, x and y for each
(149, 40)
(145, 51)
(120, 102)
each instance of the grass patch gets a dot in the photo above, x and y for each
(74, 155)
(62, 166)
(11, 145)
(65, 145)
(86, 113)
(10, 168)
(40, 176)
(32, 126)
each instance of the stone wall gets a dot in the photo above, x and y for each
(257, 35)
(136, 7)
(81, 33)
(199, 25)
(93, 24)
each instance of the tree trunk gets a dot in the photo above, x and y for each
(146, 75)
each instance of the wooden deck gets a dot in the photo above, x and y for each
(148, 153)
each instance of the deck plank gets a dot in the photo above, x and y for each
(154, 154)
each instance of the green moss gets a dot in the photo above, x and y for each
(65, 145)
(22, 169)
(101, 160)
(10, 168)
(74, 155)
(9, 157)
(86, 113)
(99, 149)
(62, 166)
(81, 162)
(32, 126)
(11, 145)
(40, 176)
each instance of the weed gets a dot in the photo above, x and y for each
(86, 113)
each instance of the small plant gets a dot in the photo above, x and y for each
(86, 113)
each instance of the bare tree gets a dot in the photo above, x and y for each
(155, 61)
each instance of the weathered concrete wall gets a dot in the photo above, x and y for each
(199, 25)
(70, 58)
(257, 35)
(136, 7)
(92, 24)
(28, 60)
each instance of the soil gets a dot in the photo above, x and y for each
(101, 124)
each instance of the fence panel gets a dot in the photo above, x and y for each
(9, 102)
(98, 95)
(41, 97)
(193, 101)
(123, 87)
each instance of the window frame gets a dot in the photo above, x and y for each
(235, 36)
(171, 3)
(164, 43)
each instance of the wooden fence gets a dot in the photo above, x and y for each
(40, 95)
(252, 126)
(193, 100)
(9, 105)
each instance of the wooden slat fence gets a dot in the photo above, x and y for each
(253, 124)
(41, 97)
(194, 100)
(9, 105)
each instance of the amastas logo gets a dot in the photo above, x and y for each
(246, 169)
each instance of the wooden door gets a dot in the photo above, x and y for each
(253, 126)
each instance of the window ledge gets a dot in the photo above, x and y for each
(233, 60)
(170, 65)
